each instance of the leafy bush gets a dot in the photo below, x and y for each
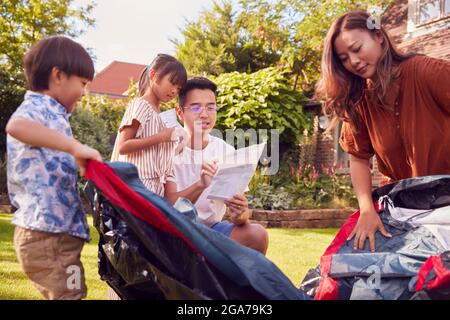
(11, 96)
(96, 120)
(91, 130)
(108, 110)
(260, 100)
(302, 188)
(270, 198)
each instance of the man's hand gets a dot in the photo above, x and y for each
(239, 211)
(81, 153)
(207, 173)
(182, 140)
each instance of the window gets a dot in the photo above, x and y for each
(342, 159)
(431, 10)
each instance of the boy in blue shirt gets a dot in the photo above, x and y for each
(51, 226)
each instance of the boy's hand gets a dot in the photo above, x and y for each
(239, 211)
(207, 173)
(81, 153)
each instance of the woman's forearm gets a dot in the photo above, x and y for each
(362, 182)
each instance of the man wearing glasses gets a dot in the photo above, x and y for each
(196, 164)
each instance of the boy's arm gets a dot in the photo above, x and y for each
(35, 134)
(129, 144)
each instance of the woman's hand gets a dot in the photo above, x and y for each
(239, 211)
(368, 224)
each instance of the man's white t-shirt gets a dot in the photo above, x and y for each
(186, 171)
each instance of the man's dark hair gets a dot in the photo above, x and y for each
(60, 52)
(195, 83)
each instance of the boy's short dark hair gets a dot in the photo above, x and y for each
(195, 83)
(57, 51)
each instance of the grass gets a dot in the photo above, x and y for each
(294, 251)
(14, 285)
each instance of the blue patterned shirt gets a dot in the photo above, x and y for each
(42, 183)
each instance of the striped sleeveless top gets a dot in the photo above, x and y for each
(154, 164)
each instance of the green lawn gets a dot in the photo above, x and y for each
(294, 251)
(15, 285)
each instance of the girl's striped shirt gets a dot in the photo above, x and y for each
(155, 162)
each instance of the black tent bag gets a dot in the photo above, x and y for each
(175, 258)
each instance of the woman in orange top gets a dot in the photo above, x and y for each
(394, 106)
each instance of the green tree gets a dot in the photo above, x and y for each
(212, 39)
(308, 24)
(226, 40)
(263, 33)
(22, 23)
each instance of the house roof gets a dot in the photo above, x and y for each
(114, 80)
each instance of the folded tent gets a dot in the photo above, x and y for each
(413, 264)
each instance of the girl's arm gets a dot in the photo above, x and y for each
(191, 193)
(369, 221)
(128, 143)
(35, 134)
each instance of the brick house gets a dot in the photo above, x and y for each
(114, 80)
(422, 26)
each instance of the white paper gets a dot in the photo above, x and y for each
(169, 118)
(248, 155)
(230, 181)
(234, 175)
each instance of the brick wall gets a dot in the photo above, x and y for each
(377, 177)
(325, 155)
(319, 218)
(436, 43)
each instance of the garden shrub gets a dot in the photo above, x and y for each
(92, 131)
(261, 100)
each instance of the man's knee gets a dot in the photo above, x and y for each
(261, 237)
(252, 235)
